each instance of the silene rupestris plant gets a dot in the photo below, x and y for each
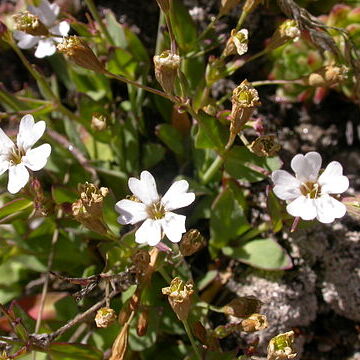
(129, 188)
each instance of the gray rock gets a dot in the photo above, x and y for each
(289, 302)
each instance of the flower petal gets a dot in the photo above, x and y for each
(177, 197)
(306, 167)
(46, 12)
(45, 48)
(18, 178)
(36, 159)
(62, 28)
(302, 207)
(332, 180)
(329, 209)
(145, 188)
(173, 226)
(26, 41)
(4, 164)
(131, 212)
(6, 145)
(149, 232)
(29, 132)
(287, 187)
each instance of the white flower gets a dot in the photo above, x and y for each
(16, 158)
(240, 39)
(155, 210)
(309, 193)
(47, 14)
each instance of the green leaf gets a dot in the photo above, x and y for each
(14, 206)
(275, 211)
(63, 351)
(171, 138)
(62, 194)
(264, 254)
(152, 155)
(243, 165)
(183, 26)
(211, 134)
(227, 220)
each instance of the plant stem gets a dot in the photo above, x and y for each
(277, 82)
(90, 4)
(54, 240)
(213, 168)
(147, 88)
(191, 338)
(164, 274)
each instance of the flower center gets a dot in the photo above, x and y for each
(16, 155)
(156, 210)
(310, 189)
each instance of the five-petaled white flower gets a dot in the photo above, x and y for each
(309, 193)
(47, 14)
(155, 210)
(16, 158)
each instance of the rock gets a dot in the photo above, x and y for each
(289, 302)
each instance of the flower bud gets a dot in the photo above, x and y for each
(164, 5)
(288, 31)
(143, 322)
(120, 344)
(237, 43)
(105, 317)
(327, 76)
(254, 322)
(352, 206)
(88, 210)
(265, 145)
(281, 347)
(244, 100)
(251, 5)
(192, 241)
(179, 296)
(166, 68)
(30, 24)
(98, 121)
(222, 331)
(5, 34)
(227, 6)
(80, 53)
(242, 306)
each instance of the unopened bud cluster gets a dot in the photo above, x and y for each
(281, 347)
(179, 295)
(167, 65)
(30, 24)
(105, 317)
(80, 53)
(328, 76)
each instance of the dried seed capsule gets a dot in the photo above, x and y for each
(105, 317)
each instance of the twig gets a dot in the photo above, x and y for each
(78, 155)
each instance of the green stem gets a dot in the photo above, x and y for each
(211, 171)
(141, 86)
(243, 16)
(164, 274)
(277, 82)
(191, 338)
(209, 27)
(90, 4)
